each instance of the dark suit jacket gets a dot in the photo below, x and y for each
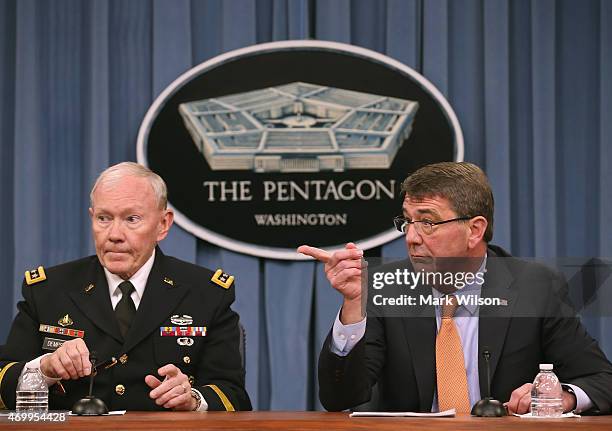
(174, 287)
(537, 326)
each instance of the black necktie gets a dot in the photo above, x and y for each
(125, 309)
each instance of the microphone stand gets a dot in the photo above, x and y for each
(488, 407)
(90, 405)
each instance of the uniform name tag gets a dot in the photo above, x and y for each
(52, 344)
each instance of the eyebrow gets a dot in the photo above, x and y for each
(425, 211)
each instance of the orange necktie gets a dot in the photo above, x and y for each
(450, 366)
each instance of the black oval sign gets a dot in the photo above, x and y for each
(285, 143)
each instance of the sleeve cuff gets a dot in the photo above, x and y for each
(583, 402)
(203, 405)
(216, 398)
(35, 363)
(345, 337)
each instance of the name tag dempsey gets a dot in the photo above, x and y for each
(52, 343)
(182, 331)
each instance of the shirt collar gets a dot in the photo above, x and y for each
(469, 289)
(139, 279)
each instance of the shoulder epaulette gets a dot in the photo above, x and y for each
(223, 279)
(34, 276)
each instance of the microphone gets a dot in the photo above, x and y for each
(90, 405)
(488, 407)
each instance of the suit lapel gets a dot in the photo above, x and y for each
(494, 320)
(160, 298)
(93, 299)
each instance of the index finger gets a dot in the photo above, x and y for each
(317, 253)
(169, 370)
(84, 352)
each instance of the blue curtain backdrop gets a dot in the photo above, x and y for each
(530, 82)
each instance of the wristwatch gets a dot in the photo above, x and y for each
(198, 399)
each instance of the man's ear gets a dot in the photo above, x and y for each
(165, 224)
(478, 227)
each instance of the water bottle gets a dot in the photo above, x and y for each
(546, 399)
(32, 392)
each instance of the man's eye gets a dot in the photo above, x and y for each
(428, 222)
(133, 219)
(103, 218)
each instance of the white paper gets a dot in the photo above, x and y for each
(563, 416)
(444, 414)
(112, 413)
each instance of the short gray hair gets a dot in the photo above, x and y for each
(131, 169)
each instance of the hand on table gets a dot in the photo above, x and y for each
(174, 392)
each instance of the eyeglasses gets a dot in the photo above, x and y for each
(423, 227)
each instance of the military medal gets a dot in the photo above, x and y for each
(182, 331)
(65, 321)
(181, 320)
(184, 341)
(61, 331)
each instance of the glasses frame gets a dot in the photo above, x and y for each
(401, 223)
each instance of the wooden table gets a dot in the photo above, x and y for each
(179, 421)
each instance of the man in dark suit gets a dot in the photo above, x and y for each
(167, 323)
(433, 357)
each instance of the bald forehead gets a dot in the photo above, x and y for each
(124, 189)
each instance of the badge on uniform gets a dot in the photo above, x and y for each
(181, 320)
(52, 344)
(65, 321)
(223, 279)
(184, 341)
(182, 331)
(35, 275)
(77, 333)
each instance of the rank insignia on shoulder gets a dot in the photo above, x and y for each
(35, 275)
(223, 279)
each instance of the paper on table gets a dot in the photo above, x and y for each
(113, 413)
(563, 416)
(444, 414)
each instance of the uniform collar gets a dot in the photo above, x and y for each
(139, 279)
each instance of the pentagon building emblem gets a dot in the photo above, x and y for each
(295, 142)
(299, 127)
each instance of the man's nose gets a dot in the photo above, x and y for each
(412, 235)
(115, 232)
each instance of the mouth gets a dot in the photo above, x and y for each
(114, 254)
(418, 258)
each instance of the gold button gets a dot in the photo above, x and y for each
(187, 360)
(191, 380)
(120, 389)
(123, 358)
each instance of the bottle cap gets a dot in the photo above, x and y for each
(546, 367)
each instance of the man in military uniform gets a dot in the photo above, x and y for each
(162, 327)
